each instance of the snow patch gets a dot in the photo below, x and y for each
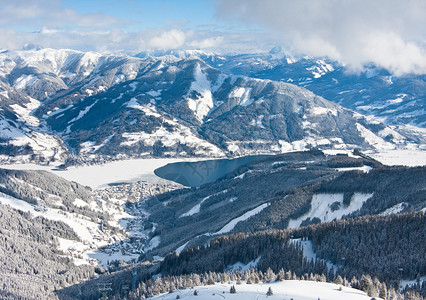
(25, 81)
(258, 122)
(134, 85)
(364, 169)
(233, 199)
(240, 267)
(147, 109)
(181, 134)
(309, 253)
(181, 248)
(80, 203)
(153, 93)
(57, 111)
(321, 207)
(242, 94)
(83, 228)
(406, 157)
(83, 112)
(231, 225)
(196, 209)
(397, 208)
(321, 68)
(373, 139)
(5, 94)
(318, 110)
(24, 112)
(153, 243)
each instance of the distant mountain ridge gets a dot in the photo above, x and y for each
(88, 105)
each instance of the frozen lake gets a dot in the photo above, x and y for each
(116, 172)
(197, 173)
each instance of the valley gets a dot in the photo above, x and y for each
(146, 175)
(115, 224)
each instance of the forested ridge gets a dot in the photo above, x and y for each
(288, 183)
(387, 247)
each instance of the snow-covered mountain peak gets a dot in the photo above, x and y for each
(139, 104)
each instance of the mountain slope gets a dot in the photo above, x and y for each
(281, 191)
(392, 99)
(118, 106)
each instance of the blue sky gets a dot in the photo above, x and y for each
(388, 33)
(145, 14)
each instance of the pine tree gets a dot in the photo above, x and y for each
(383, 291)
(338, 280)
(233, 290)
(269, 292)
(281, 275)
(287, 275)
(270, 275)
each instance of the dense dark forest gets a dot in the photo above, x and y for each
(390, 248)
(350, 252)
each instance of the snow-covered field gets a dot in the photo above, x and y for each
(288, 289)
(99, 176)
(321, 207)
(405, 157)
(409, 158)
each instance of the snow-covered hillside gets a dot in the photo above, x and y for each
(170, 106)
(375, 92)
(287, 289)
(103, 220)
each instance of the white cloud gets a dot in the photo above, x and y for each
(171, 39)
(207, 43)
(389, 33)
(10, 40)
(109, 41)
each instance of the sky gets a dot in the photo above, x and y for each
(388, 33)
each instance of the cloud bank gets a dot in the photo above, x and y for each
(59, 26)
(388, 33)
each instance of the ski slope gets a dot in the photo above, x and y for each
(288, 289)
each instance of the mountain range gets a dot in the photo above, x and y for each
(76, 106)
(296, 195)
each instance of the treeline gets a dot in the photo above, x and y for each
(390, 248)
(167, 284)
